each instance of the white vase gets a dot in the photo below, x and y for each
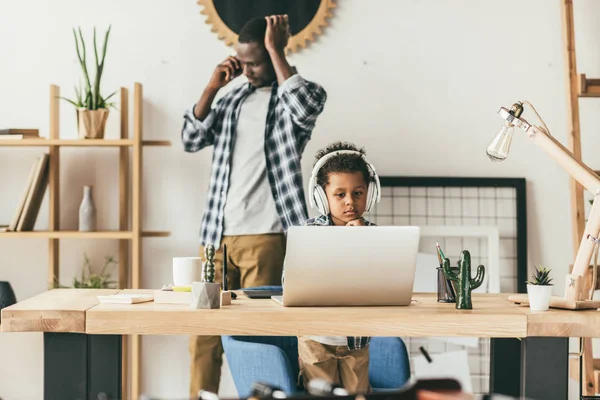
(87, 211)
(539, 297)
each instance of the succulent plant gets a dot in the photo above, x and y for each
(541, 276)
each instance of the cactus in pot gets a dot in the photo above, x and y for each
(464, 284)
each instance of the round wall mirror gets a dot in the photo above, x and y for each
(307, 17)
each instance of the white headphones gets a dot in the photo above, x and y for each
(317, 196)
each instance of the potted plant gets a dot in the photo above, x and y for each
(207, 294)
(92, 108)
(91, 280)
(539, 289)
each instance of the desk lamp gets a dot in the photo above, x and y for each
(575, 294)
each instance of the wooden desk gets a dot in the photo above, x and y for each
(82, 337)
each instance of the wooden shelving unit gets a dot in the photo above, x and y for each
(586, 370)
(129, 233)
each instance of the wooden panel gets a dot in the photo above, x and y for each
(563, 323)
(124, 192)
(59, 310)
(492, 316)
(156, 143)
(68, 235)
(124, 226)
(136, 226)
(53, 189)
(67, 142)
(136, 222)
(135, 366)
(574, 129)
(156, 234)
(588, 87)
(558, 302)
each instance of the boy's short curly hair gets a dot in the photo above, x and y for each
(342, 162)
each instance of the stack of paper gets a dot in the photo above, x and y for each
(124, 298)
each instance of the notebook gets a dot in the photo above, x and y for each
(124, 298)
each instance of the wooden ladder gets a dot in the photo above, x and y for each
(579, 86)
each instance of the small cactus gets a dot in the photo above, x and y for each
(463, 280)
(208, 266)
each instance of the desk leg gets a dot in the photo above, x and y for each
(505, 366)
(545, 368)
(80, 366)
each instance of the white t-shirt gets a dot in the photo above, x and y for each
(250, 207)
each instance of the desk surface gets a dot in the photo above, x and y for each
(78, 310)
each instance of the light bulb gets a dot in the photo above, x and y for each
(499, 146)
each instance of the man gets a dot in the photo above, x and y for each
(259, 131)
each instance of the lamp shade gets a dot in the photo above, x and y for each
(7, 296)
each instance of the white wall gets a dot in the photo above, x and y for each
(418, 83)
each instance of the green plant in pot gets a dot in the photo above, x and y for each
(90, 279)
(207, 294)
(92, 108)
(539, 289)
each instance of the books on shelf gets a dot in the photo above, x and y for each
(33, 194)
(14, 133)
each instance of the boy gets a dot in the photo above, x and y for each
(345, 178)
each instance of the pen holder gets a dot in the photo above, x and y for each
(445, 289)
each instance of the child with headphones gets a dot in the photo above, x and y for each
(343, 186)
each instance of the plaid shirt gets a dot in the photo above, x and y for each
(354, 342)
(291, 117)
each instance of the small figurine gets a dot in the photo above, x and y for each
(464, 283)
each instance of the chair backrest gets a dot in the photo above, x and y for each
(274, 360)
(389, 367)
(270, 359)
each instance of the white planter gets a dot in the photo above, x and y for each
(539, 297)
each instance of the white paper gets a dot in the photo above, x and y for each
(126, 298)
(454, 365)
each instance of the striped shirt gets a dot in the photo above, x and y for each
(292, 114)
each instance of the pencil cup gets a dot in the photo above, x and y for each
(445, 290)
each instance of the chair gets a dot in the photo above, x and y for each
(274, 360)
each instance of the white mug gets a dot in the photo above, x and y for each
(186, 270)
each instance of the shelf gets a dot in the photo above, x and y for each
(165, 143)
(156, 234)
(80, 142)
(68, 235)
(80, 235)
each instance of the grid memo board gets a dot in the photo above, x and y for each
(444, 201)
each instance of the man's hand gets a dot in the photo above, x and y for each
(356, 222)
(225, 72)
(277, 34)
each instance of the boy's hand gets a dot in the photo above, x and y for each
(277, 34)
(225, 72)
(356, 222)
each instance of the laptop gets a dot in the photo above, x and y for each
(349, 266)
